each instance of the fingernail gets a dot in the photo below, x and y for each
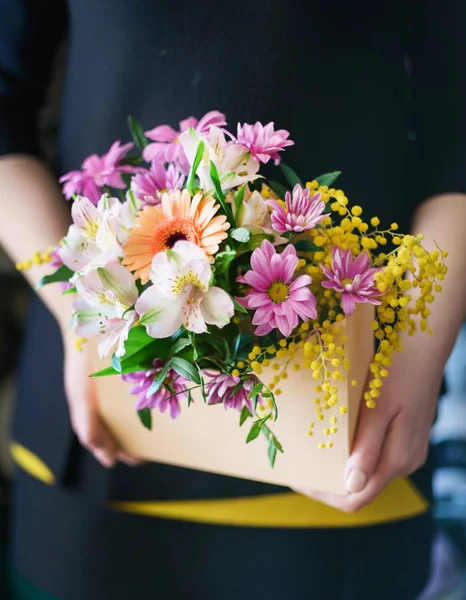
(107, 459)
(356, 481)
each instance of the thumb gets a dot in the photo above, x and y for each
(367, 448)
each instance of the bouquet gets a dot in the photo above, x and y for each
(204, 280)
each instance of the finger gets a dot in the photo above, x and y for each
(392, 463)
(367, 448)
(131, 461)
(105, 456)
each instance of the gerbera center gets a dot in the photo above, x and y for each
(169, 232)
(278, 292)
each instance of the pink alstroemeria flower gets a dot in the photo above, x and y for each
(97, 172)
(167, 147)
(220, 388)
(163, 399)
(279, 301)
(263, 141)
(354, 279)
(302, 212)
(149, 185)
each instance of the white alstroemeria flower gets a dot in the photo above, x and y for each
(234, 163)
(103, 308)
(180, 294)
(255, 215)
(129, 211)
(92, 241)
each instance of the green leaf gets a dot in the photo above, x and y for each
(159, 379)
(203, 394)
(72, 290)
(193, 344)
(180, 344)
(255, 400)
(137, 133)
(242, 235)
(127, 177)
(185, 369)
(328, 178)
(256, 390)
(278, 188)
(257, 239)
(290, 175)
(238, 306)
(272, 453)
(116, 363)
(194, 167)
(219, 192)
(223, 260)
(254, 431)
(61, 274)
(145, 416)
(216, 181)
(239, 197)
(189, 398)
(304, 246)
(277, 444)
(132, 161)
(245, 414)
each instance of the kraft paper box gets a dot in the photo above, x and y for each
(209, 438)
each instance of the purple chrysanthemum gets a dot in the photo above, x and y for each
(224, 388)
(165, 397)
(149, 185)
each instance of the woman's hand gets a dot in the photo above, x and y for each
(392, 439)
(86, 421)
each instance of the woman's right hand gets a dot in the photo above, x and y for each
(86, 421)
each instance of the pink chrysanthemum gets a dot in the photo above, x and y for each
(279, 301)
(263, 141)
(97, 172)
(149, 185)
(221, 389)
(163, 399)
(354, 279)
(302, 212)
(166, 147)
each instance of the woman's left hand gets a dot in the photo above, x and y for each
(392, 439)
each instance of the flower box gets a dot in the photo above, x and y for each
(208, 438)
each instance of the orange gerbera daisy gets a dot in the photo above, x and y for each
(179, 217)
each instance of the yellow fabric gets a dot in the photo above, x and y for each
(31, 463)
(400, 500)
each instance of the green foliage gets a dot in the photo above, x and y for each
(245, 414)
(137, 133)
(224, 259)
(304, 246)
(328, 178)
(242, 235)
(145, 416)
(194, 167)
(185, 369)
(61, 274)
(291, 177)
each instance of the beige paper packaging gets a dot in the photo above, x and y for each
(209, 438)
